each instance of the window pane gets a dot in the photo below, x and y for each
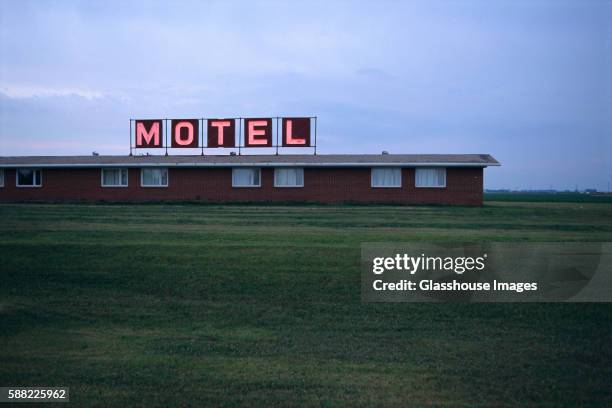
(25, 177)
(1, 177)
(147, 177)
(108, 177)
(281, 177)
(154, 177)
(387, 177)
(289, 177)
(240, 177)
(255, 177)
(114, 177)
(245, 177)
(432, 177)
(163, 174)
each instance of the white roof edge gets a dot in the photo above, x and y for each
(266, 164)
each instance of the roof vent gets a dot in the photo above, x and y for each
(232, 153)
(385, 152)
(95, 153)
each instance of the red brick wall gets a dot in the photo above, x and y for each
(328, 185)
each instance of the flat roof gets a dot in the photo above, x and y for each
(301, 160)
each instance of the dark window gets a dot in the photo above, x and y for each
(29, 178)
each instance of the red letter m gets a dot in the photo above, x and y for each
(148, 133)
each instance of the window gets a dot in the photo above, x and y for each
(114, 177)
(387, 177)
(246, 178)
(432, 177)
(291, 177)
(1, 178)
(154, 177)
(29, 177)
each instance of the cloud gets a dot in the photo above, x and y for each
(20, 92)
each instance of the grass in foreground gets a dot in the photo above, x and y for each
(259, 305)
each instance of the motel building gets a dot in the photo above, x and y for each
(452, 179)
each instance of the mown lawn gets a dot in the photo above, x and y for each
(260, 305)
(559, 197)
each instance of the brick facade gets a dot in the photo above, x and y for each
(464, 186)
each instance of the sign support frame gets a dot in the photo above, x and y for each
(130, 137)
(202, 135)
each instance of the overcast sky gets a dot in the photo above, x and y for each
(528, 82)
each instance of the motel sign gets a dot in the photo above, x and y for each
(222, 133)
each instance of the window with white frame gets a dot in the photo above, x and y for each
(29, 178)
(1, 177)
(387, 177)
(289, 177)
(114, 177)
(154, 177)
(247, 177)
(430, 177)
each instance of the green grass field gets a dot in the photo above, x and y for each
(560, 197)
(260, 305)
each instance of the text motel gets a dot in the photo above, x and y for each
(185, 133)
